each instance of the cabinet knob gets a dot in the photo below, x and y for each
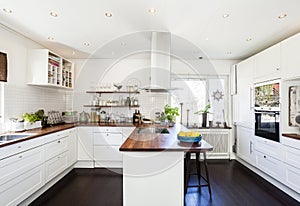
(20, 156)
(277, 69)
(58, 141)
(265, 156)
(19, 146)
(107, 134)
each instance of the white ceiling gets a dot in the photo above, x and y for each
(197, 26)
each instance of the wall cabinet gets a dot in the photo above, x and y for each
(290, 61)
(267, 64)
(49, 69)
(245, 93)
(245, 144)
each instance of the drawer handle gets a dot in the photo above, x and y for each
(20, 156)
(58, 141)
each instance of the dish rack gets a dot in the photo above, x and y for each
(54, 117)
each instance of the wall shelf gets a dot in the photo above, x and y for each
(98, 106)
(113, 92)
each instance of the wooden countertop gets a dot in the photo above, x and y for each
(291, 135)
(144, 142)
(38, 132)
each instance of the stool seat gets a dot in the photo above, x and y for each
(187, 172)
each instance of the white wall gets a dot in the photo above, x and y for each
(93, 73)
(17, 95)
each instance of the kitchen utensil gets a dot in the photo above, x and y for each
(84, 117)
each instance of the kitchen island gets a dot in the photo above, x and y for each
(153, 166)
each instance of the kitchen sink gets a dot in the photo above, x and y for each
(152, 130)
(11, 137)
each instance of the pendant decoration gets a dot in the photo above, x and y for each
(218, 95)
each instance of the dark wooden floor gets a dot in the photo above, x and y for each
(231, 183)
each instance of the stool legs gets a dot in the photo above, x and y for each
(198, 166)
(187, 171)
(207, 176)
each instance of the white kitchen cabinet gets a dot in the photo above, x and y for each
(107, 141)
(267, 66)
(72, 146)
(245, 144)
(46, 68)
(18, 189)
(55, 166)
(85, 147)
(268, 147)
(290, 50)
(245, 93)
(56, 147)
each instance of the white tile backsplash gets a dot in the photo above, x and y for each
(21, 99)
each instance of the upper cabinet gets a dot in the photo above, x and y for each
(290, 57)
(49, 69)
(267, 64)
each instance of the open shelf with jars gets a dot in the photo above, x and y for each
(131, 101)
(45, 68)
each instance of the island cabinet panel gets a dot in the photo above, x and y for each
(153, 178)
(290, 51)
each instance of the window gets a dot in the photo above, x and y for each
(196, 92)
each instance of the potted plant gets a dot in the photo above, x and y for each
(170, 114)
(204, 113)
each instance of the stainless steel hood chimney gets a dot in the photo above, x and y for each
(160, 62)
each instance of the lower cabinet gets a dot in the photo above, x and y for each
(19, 188)
(55, 166)
(245, 144)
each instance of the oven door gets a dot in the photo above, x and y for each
(267, 124)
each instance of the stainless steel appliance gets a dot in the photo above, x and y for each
(267, 110)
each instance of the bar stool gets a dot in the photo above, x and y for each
(187, 173)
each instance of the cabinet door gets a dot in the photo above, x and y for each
(269, 165)
(85, 143)
(56, 147)
(18, 189)
(244, 100)
(292, 177)
(55, 166)
(290, 51)
(268, 147)
(245, 146)
(72, 147)
(267, 66)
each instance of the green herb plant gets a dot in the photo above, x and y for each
(171, 112)
(204, 110)
(33, 117)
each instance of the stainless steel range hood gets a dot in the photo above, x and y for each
(160, 62)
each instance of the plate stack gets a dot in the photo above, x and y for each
(70, 117)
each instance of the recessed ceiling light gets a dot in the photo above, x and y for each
(152, 11)
(225, 15)
(249, 39)
(86, 44)
(108, 14)
(53, 13)
(7, 10)
(50, 38)
(282, 16)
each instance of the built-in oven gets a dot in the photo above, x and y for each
(267, 124)
(267, 110)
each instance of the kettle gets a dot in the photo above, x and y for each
(84, 117)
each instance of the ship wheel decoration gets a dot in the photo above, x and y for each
(217, 95)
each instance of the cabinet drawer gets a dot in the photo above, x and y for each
(292, 177)
(56, 147)
(107, 153)
(269, 165)
(55, 166)
(268, 147)
(291, 156)
(18, 189)
(108, 139)
(108, 129)
(18, 164)
(20, 147)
